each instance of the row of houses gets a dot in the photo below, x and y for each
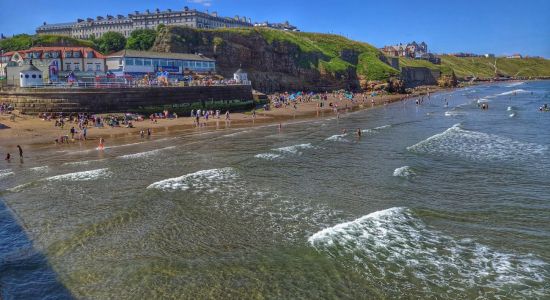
(59, 62)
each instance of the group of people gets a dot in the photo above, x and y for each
(5, 108)
(8, 155)
(198, 114)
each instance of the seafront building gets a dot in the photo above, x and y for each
(138, 63)
(57, 63)
(96, 27)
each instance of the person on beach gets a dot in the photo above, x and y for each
(101, 145)
(72, 132)
(148, 132)
(142, 133)
(20, 151)
(84, 132)
(227, 117)
(344, 131)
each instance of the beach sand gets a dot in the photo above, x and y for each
(29, 130)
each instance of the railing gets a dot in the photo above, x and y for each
(107, 85)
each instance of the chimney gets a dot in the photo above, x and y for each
(89, 19)
(79, 20)
(147, 11)
(157, 10)
(214, 14)
(44, 23)
(186, 8)
(99, 18)
(169, 10)
(136, 12)
(119, 16)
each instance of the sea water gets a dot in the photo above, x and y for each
(430, 202)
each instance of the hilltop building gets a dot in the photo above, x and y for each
(286, 26)
(86, 28)
(410, 50)
(515, 55)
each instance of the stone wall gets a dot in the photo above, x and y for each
(33, 101)
(417, 76)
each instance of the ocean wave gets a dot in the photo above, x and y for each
(475, 145)
(81, 176)
(376, 129)
(236, 133)
(40, 169)
(518, 91)
(5, 173)
(509, 108)
(393, 244)
(454, 113)
(204, 180)
(404, 171)
(295, 149)
(82, 163)
(146, 153)
(512, 115)
(337, 138)
(514, 84)
(268, 156)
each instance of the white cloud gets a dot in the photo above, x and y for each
(206, 3)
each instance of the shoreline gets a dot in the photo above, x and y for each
(32, 132)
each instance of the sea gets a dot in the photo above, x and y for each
(440, 200)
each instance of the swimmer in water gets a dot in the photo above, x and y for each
(358, 132)
(8, 157)
(344, 131)
(101, 145)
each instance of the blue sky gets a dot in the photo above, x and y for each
(483, 26)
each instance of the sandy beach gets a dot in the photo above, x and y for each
(28, 130)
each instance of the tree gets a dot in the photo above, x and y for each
(141, 39)
(111, 42)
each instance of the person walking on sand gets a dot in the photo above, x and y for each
(84, 132)
(148, 132)
(142, 133)
(20, 151)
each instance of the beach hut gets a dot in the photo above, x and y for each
(240, 76)
(30, 76)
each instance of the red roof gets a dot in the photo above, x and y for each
(82, 50)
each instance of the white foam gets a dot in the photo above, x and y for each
(236, 133)
(268, 156)
(82, 163)
(81, 176)
(146, 153)
(395, 244)
(509, 108)
(512, 115)
(295, 149)
(5, 173)
(40, 169)
(404, 171)
(337, 138)
(518, 91)
(453, 113)
(514, 84)
(376, 129)
(204, 180)
(474, 145)
(382, 127)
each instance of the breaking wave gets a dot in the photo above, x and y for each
(5, 173)
(515, 84)
(376, 129)
(268, 156)
(146, 153)
(404, 171)
(294, 149)
(204, 180)
(337, 138)
(81, 176)
(518, 91)
(83, 162)
(394, 245)
(40, 169)
(475, 145)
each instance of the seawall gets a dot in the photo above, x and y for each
(111, 100)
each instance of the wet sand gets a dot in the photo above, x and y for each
(31, 131)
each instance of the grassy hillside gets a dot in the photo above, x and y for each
(365, 59)
(25, 41)
(482, 67)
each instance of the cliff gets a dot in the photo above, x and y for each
(280, 60)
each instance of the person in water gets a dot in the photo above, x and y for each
(101, 143)
(358, 132)
(8, 157)
(20, 151)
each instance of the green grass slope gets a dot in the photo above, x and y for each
(482, 67)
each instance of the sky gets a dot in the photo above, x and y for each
(484, 26)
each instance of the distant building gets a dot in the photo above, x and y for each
(281, 26)
(139, 63)
(96, 27)
(516, 55)
(463, 54)
(489, 55)
(82, 61)
(410, 50)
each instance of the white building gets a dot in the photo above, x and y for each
(30, 76)
(241, 76)
(133, 62)
(83, 29)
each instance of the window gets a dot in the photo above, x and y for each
(146, 62)
(68, 54)
(90, 54)
(21, 75)
(98, 67)
(76, 66)
(89, 67)
(179, 63)
(39, 76)
(186, 64)
(33, 75)
(156, 62)
(170, 63)
(26, 75)
(139, 61)
(129, 61)
(68, 67)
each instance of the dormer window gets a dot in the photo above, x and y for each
(90, 54)
(76, 54)
(68, 54)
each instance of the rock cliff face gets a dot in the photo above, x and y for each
(287, 62)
